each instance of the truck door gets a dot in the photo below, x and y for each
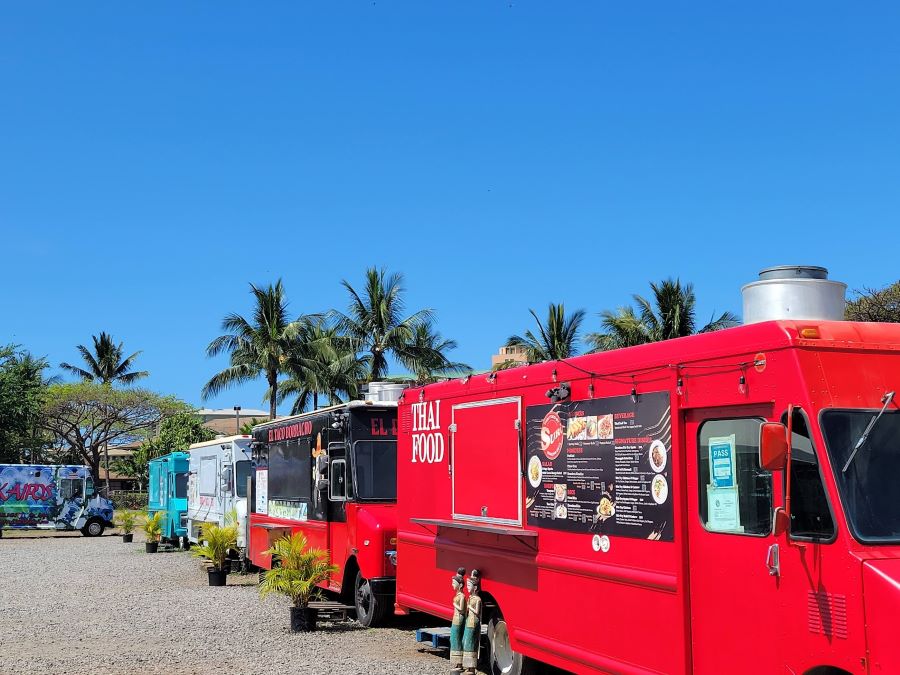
(733, 555)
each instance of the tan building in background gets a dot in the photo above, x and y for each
(519, 355)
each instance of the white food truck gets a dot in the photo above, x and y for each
(217, 483)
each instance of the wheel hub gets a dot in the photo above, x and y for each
(501, 652)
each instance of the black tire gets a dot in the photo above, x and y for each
(501, 659)
(371, 609)
(93, 528)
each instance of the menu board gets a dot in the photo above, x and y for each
(601, 466)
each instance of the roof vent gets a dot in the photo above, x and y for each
(797, 292)
(382, 392)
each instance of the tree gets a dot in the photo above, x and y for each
(22, 390)
(258, 346)
(106, 364)
(671, 314)
(88, 417)
(247, 427)
(555, 340)
(426, 356)
(375, 320)
(321, 361)
(176, 433)
(875, 305)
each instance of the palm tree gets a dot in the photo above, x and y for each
(106, 364)
(324, 362)
(259, 345)
(426, 356)
(556, 340)
(670, 315)
(375, 321)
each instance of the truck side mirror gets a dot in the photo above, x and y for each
(773, 446)
(322, 464)
(322, 484)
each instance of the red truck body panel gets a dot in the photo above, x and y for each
(654, 588)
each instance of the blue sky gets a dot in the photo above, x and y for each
(154, 159)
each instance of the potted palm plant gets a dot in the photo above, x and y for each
(216, 543)
(297, 571)
(125, 521)
(153, 530)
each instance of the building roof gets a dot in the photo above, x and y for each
(209, 413)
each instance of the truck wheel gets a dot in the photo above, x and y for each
(502, 660)
(370, 608)
(93, 528)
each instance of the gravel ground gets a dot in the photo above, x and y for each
(71, 604)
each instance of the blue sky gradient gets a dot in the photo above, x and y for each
(154, 159)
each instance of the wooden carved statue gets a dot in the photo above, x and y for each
(472, 632)
(459, 620)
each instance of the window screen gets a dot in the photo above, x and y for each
(241, 473)
(208, 476)
(72, 488)
(338, 480)
(290, 471)
(181, 480)
(735, 493)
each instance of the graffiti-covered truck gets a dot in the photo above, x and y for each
(51, 497)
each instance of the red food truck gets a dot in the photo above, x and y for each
(722, 503)
(332, 474)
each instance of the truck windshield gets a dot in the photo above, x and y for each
(241, 472)
(181, 481)
(375, 469)
(868, 487)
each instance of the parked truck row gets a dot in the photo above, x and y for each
(720, 503)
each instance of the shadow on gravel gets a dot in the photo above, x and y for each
(52, 535)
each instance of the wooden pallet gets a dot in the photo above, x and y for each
(439, 637)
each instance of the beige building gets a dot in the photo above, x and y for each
(228, 421)
(517, 354)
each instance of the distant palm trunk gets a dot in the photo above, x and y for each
(106, 459)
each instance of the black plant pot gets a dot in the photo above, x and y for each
(303, 619)
(151, 546)
(126, 538)
(217, 577)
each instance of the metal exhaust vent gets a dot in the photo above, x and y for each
(794, 292)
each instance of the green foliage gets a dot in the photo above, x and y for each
(671, 314)
(126, 520)
(247, 427)
(153, 525)
(107, 364)
(375, 322)
(257, 346)
(176, 433)
(557, 339)
(300, 569)
(216, 542)
(86, 416)
(321, 362)
(426, 356)
(128, 500)
(875, 305)
(22, 392)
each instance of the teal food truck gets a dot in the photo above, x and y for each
(168, 493)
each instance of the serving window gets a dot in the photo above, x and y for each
(486, 461)
(209, 468)
(290, 470)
